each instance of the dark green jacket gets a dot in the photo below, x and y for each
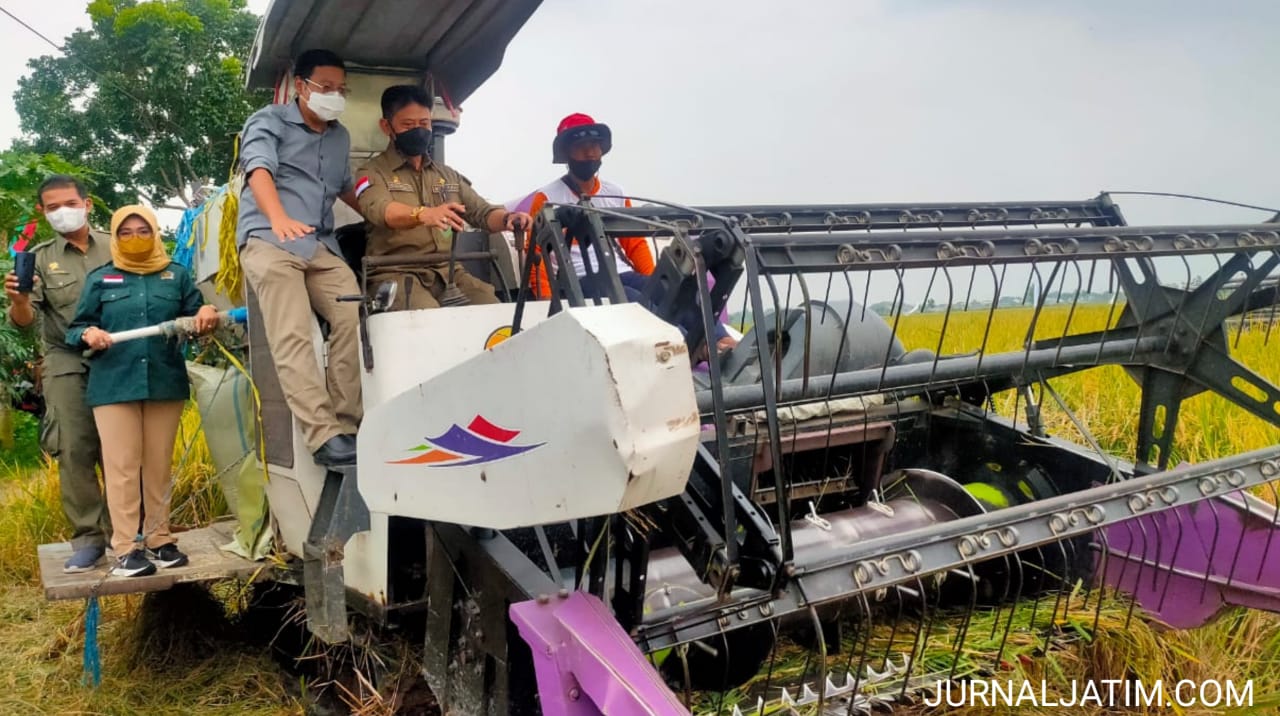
(146, 368)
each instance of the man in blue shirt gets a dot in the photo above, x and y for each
(295, 160)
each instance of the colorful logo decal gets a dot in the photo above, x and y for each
(497, 337)
(479, 442)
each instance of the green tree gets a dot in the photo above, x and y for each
(150, 97)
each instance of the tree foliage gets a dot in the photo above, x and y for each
(149, 97)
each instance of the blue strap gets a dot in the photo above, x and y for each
(92, 656)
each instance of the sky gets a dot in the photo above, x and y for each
(748, 101)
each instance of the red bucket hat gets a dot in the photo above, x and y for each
(577, 127)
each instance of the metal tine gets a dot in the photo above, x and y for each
(821, 640)
(1272, 312)
(1008, 626)
(825, 470)
(1063, 588)
(963, 632)
(864, 634)
(968, 296)
(1173, 555)
(1112, 312)
(831, 383)
(946, 318)
(1275, 523)
(1142, 562)
(1075, 303)
(1033, 278)
(898, 300)
(991, 312)
(1213, 546)
(1187, 288)
(773, 662)
(1104, 561)
(920, 642)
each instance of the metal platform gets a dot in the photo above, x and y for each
(208, 564)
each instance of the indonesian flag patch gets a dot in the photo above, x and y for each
(113, 279)
(362, 185)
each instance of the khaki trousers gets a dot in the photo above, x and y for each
(422, 288)
(286, 285)
(69, 436)
(137, 457)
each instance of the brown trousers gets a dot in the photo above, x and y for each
(137, 458)
(289, 288)
(423, 287)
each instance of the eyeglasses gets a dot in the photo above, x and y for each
(326, 89)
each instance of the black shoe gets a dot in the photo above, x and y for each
(134, 564)
(337, 450)
(167, 555)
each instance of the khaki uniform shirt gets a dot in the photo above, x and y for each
(61, 269)
(390, 177)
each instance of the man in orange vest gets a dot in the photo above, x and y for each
(580, 144)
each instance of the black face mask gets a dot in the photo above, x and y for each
(414, 143)
(582, 170)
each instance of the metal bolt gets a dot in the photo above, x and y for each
(574, 694)
(543, 599)
(564, 593)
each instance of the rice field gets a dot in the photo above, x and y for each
(208, 659)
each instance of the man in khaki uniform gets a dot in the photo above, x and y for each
(415, 205)
(68, 432)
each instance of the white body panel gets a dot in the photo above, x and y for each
(411, 347)
(294, 492)
(587, 413)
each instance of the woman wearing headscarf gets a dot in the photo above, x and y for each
(137, 389)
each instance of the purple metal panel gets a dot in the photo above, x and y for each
(1186, 564)
(586, 664)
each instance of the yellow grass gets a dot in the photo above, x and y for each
(1106, 399)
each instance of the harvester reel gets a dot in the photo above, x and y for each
(854, 488)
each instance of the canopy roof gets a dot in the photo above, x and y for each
(460, 42)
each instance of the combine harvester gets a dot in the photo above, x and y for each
(594, 524)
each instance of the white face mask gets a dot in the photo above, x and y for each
(327, 107)
(68, 219)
